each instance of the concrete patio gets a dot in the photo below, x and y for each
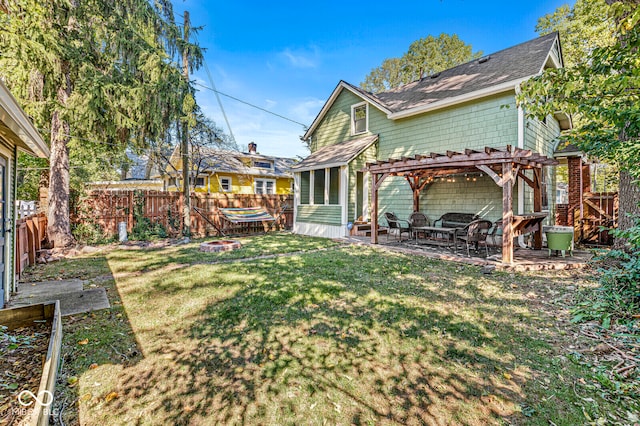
(524, 259)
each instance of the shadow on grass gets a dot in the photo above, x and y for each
(350, 336)
(92, 340)
(148, 260)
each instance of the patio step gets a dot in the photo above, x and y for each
(364, 229)
(381, 231)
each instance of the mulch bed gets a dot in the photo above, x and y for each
(22, 353)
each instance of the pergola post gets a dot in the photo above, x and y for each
(507, 214)
(537, 205)
(416, 188)
(374, 208)
(376, 181)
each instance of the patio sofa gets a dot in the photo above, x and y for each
(455, 220)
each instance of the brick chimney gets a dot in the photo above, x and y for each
(253, 147)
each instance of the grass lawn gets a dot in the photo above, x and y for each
(326, 334)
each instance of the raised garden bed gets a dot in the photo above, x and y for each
(30, 339)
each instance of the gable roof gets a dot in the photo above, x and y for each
(494, 73)
(336, 155)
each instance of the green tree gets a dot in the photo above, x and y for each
(603, 93)
(582, 28)
(426, 56)
(204, 136)
(95, 70)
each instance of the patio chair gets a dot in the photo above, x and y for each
(397, 225)
(494, 236)
(474, 234)
(418, 219)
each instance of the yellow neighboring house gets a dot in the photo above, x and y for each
(234, 172)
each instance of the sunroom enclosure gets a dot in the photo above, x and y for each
(331, 190)
(503, 166)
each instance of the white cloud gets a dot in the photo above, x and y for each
(301, 58)
(307, 110)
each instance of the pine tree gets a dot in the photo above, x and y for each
(96, 70)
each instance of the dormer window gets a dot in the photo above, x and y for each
(263, 164)
(359, 118)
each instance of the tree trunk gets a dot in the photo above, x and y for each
(629, 204)
(59, 224)
(629, 190)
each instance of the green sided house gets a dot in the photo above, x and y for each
(454, 141)
(16, 133)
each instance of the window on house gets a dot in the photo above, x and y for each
(225, 184)
(173, 181)
(334, 185)
(263, 164)
(359, 118)
(200, 181)
(305, 185)
(318, 186)
(265, 186)
(544, 186)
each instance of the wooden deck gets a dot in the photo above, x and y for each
(523, 259)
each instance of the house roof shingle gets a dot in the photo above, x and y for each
(335, 155)
(499, 70)
(512, 64)
(222, 161)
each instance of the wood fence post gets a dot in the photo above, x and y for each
(131, 207)
(31, 242)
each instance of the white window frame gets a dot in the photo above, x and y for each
(545, 184)
(353, 116)
(204, 182)
(269, 162)
(264, 184)
(227, 178)
(327, 183)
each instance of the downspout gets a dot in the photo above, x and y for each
(296, 199)
(520, 182)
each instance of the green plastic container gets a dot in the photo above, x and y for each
(559, 238)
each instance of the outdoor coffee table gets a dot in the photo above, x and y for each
(430, 230)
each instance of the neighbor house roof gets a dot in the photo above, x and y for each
(565, 150)
(336, 155)
(225, 161)
(494, 73)
(16, 127)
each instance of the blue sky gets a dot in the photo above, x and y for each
(287, 57)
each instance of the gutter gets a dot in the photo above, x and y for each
(320, 166)
(17, 121)
(520, 182)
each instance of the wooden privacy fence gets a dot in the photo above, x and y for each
(109, 208)
(599, 210)
(30, 233)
